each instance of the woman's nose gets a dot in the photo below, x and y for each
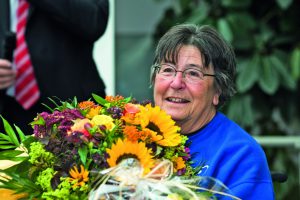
(178, 81)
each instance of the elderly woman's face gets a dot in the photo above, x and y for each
(191, 105)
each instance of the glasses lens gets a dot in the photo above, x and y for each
(167, 71)
(193, 75)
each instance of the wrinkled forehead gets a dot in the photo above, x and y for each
(171, 55)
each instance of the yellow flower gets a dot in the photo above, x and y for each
(157, 120)
(93, 112)
(126, 149)
(79, 178)
(91, 108)
(105, 120)
(179, 163)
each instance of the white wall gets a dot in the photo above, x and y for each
(104, 52)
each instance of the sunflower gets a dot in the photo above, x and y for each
(79, 178)
(126, 149)
(157, 120)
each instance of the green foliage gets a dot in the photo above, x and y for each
(83, 152)
(20, 184)
(39, 156)
(266, 39)
(63, 104)
(295, 63)
(103, 102)
(10, 140)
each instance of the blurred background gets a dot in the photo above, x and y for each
(266, 39)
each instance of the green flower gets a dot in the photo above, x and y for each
(39, 156)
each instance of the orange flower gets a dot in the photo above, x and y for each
(86, 105)
(178, 163)
(114, 98)
(133, 134)
(131, 108)
(79, 178)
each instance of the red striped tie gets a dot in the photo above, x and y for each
(26, 91)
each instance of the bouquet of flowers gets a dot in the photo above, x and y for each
(112, 148)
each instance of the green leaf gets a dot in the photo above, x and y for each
(284, 4)
(236, 3)
(48, 107)
(83, 151)
(7, 146)
(29, 139)
(295, 63)
(99, 100)
(269, 77)
(38, 121)
(248, 74)
(242, 25)
(10, 132)
(54, 102)
(69, 105)
(20, 133)
(20, 184)
(16, 159)
(225, 29)
(9, 154)
(286, 77)
(199, 14)
(5, 137)
(240, 110)
(263, 38)
(4, 142)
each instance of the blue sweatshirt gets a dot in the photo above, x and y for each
(232, 156)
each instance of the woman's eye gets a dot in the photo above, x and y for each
(194, 73)
(168, 70)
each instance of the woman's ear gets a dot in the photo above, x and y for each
(216, 98)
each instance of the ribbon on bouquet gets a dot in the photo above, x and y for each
(127, 181)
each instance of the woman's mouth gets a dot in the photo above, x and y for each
(176, 100)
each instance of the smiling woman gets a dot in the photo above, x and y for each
(192, 77)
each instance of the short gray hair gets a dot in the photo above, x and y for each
(213, 48)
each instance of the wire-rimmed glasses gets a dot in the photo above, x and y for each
(191, 75)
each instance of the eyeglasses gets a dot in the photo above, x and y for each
(191, 75)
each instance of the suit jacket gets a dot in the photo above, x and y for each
(60, 37)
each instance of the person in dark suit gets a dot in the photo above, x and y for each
(60, 35)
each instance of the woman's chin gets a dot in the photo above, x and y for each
(177, 115)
